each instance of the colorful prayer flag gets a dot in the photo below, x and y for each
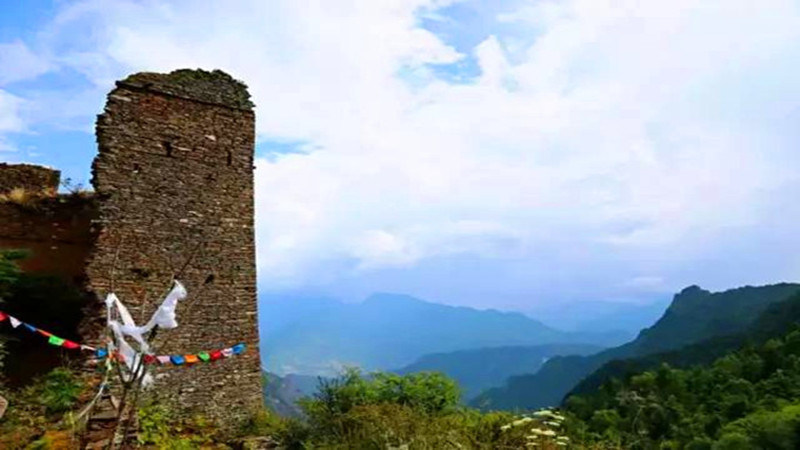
(3, 316)
(149, 359)
(227, 352)
(71, 345)
(238, 349)
(14, 322)
(163, 359)
(30, 327)
(191, 359)
(101, 353)
(44, 333)
(216, 354)
(204, 356)
(177, 359)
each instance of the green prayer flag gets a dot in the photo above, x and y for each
(56, 341)
(204, 356)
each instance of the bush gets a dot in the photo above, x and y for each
(58, 391)
(383, 410)
(160, 427)
(770, 429)
(38, 414)
(427, 392)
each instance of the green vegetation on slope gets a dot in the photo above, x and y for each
(695, 315)
(749, 399)
(417, 411)
(775, 321)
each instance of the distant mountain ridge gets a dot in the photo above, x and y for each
(480, 369)
(776, 320)
(387, 331)
(693, 316)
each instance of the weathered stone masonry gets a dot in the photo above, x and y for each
(28, 177)
(174, 194)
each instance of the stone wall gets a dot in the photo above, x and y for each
(29, 177)
(56, 230)
(174, 182)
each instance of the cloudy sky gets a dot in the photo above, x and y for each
(508, 154)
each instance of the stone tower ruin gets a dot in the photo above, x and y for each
(174, 186)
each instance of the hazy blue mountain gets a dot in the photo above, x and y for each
(387, 331)
(694, 315)
(480, 369)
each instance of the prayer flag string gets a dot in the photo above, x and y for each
(178, 360)
(102, 353)
(51, 339)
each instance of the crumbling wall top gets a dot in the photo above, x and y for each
(28, 177)
(216, 87)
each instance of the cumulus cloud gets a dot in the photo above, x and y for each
(618, 149)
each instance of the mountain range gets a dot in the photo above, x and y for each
(318, 336)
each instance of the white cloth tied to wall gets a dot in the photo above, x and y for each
(164, 317)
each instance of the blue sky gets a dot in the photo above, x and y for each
(509, 154)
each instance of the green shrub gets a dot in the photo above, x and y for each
(40, 412)
(58, 391)
(159, 426)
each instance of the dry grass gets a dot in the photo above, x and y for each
(21, 196)
(29, 198)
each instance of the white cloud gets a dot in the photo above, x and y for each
(632, 128)
(18, 62)
(10, 113)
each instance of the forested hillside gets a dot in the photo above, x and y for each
(695, 315)
(776, 320)
(747, 398)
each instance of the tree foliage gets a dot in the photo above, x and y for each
(749, 398)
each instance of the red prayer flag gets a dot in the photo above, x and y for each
(70, 344)
(215, 355)
(3, 316)
(149, 359)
